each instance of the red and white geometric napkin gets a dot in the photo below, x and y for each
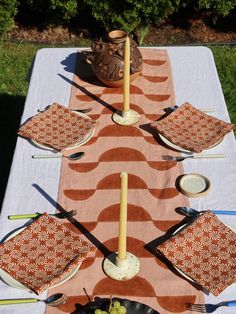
(57, 127)
(192, 129)
(43, 253)
(205, 251)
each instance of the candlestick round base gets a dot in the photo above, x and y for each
(126, 117)
(121, 269)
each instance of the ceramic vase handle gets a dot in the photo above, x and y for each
(89, 58)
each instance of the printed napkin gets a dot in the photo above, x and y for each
(43, 253)
(205, 251)
(192, 129)
(57, 127)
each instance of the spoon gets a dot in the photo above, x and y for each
(54, 300)
(190, 212)
(74, 156)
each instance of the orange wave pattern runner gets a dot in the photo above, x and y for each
(92, 186)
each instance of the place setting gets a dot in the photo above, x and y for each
(59, 130)
(192, 131)
(201, 250)
(42, 254)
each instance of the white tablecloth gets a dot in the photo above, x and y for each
(33, 184)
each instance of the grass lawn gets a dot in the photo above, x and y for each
(225, 59)
(16, 61)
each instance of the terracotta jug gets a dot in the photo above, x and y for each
(107, 59)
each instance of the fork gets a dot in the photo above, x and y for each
(181, 158)
(58, 215)
(208, 308)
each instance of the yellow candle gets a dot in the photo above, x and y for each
(123, 216)
(126, 85)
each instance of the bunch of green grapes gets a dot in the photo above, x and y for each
(115, 308)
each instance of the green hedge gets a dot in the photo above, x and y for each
(129, 15)
(217, 7)
(53, 12)
(8, 11)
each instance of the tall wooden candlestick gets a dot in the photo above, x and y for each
(126, 84)
(123, 216)
(126, 116)
(122, 265)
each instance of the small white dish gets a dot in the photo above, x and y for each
(194, 185)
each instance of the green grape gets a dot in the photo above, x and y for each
(116, 304)
(97, 311)
(121, 310)
(104, 312)
(113, 311)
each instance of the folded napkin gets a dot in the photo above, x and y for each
(43, 253)
(192, 129)
(205, 251)
(57, 127)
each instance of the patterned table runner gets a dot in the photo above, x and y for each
(92, 186)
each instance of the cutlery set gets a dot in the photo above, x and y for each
(79, 155)
(187, 211)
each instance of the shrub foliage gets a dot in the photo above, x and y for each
(8, 10)
(218, 7)
(129, 15)
(53, 12)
